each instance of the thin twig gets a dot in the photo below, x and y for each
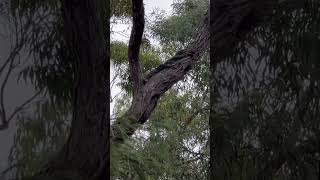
(19, 108)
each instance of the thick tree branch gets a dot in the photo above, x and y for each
(158, 81)
(232, 21)
(134, 44)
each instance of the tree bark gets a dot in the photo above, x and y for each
(231, 21)
(149, 88)
(86, 153)
(86, 30)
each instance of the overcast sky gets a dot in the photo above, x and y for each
(123, 30)
(14, 95)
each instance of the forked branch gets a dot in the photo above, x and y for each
(231, 21)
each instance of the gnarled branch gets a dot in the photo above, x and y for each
(232, 20)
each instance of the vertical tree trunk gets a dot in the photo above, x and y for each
(86, 153)
(211, 114)
(86, 32)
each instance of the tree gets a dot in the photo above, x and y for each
(85, 21)
(11, 64)
(147, 89)
(134, 157)
(229, 26)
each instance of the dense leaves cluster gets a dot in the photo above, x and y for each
(172, 145)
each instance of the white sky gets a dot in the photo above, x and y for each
(123, 32)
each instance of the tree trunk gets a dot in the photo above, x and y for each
(86, 153)
(87, 148)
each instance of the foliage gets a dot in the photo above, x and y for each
(175, 137)
(266, 123)
(120, 8)
(175, 32)
(149, 57)
(172, 145)
(39, 137)
(51, 69)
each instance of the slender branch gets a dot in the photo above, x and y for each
(10, 63)
(15, 51)
(19, 108)
(135, 42)
(10, 168)
(3, 85)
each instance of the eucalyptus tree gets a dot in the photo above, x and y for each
(54, 128)
(232, 21)
(90, 63)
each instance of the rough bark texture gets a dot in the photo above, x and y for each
(86, 153)
(134, 44)
(231, 20)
